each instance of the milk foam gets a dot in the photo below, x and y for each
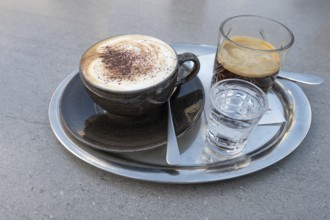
(128, 63)
(258, 61)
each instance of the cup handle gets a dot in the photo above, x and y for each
(186, 74)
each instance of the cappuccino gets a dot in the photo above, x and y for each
(128, 63)
(247, 58)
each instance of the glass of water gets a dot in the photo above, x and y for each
(235, 108)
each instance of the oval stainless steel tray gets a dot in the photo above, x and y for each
(268, 144)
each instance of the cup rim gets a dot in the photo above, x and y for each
(85, 80)
(263, 94)
(287, 46)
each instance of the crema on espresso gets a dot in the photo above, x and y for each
(249, 58)
(128, 63)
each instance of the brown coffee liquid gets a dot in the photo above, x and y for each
(259, 64)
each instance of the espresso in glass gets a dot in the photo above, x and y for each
(253, 64)
(251, 48)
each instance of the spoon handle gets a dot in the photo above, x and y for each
(172, 151)
(305, 78)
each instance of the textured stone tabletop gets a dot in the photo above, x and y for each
(41, 42)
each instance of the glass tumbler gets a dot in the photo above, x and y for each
(235, 108)
(252, 48)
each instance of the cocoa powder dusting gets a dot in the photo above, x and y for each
(123, 64)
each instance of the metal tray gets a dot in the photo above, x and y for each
(268, 144)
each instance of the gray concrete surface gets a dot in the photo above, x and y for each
(41, 42)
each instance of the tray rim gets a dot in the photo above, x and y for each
(182, 175)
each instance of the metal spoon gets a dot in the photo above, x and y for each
(172, 151)
(309, 79)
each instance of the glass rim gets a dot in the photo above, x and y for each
(287, 46)
(252, 86)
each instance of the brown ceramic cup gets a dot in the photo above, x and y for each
(134, 75)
